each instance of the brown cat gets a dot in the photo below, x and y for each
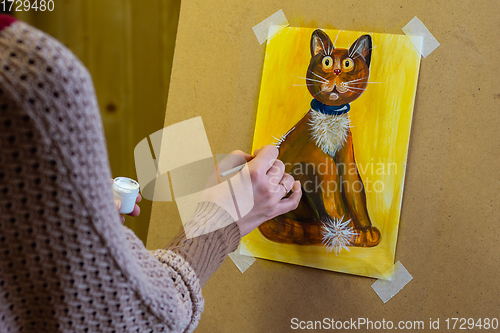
(318, 152)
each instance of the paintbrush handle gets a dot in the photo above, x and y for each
(230, 171)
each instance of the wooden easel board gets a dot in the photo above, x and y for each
(449, 231)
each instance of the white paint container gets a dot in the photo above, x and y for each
(125, 190)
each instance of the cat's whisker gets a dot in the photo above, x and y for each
(359, 55)
(364, 82)
(368, 50)
(349, 87)
(324, 49)
(354, 84)
(317, 93)
(357, 79)
(355, 88)
(314, 80)
(336, 38)
(326, 81)
(300, 77)
(354, 49)
(355, 92)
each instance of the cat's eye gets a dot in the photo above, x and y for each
(348, 64)
(327, 62)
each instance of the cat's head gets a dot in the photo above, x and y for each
(338, 76)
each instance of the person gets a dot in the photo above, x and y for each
(66, 262)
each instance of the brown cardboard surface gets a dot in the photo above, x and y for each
(449, 230)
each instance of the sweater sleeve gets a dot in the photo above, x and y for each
(206, 253)
(66, 262)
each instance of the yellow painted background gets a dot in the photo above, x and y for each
(380, 126)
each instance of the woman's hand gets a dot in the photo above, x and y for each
(135, 212)
(270, 186)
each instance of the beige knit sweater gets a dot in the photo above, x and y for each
(66, 262)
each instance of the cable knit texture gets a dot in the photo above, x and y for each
(66, 262)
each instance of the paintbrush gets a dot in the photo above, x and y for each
(230, 171)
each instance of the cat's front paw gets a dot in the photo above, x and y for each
(366, 237)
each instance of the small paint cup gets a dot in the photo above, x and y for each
(126, 190)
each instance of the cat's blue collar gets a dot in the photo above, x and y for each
(332, 110)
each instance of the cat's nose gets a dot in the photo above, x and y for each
(336, 71)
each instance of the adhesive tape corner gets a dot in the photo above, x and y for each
(387, 289)
(241, 258)
(420, 37)
(270, 26)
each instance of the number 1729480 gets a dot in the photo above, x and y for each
(26, 5)
(471, 323)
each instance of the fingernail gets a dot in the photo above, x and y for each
(118, 204)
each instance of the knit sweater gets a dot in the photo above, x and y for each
(66, 262)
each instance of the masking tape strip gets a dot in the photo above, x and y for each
(387, 289)
(270, 26)
(420, 36)
(241, 261)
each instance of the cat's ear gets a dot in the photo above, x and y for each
(363, 46)
(320, 42)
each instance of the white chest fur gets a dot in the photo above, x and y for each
(329, 132)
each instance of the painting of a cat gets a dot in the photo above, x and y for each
(339, 106)
(333, 210)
